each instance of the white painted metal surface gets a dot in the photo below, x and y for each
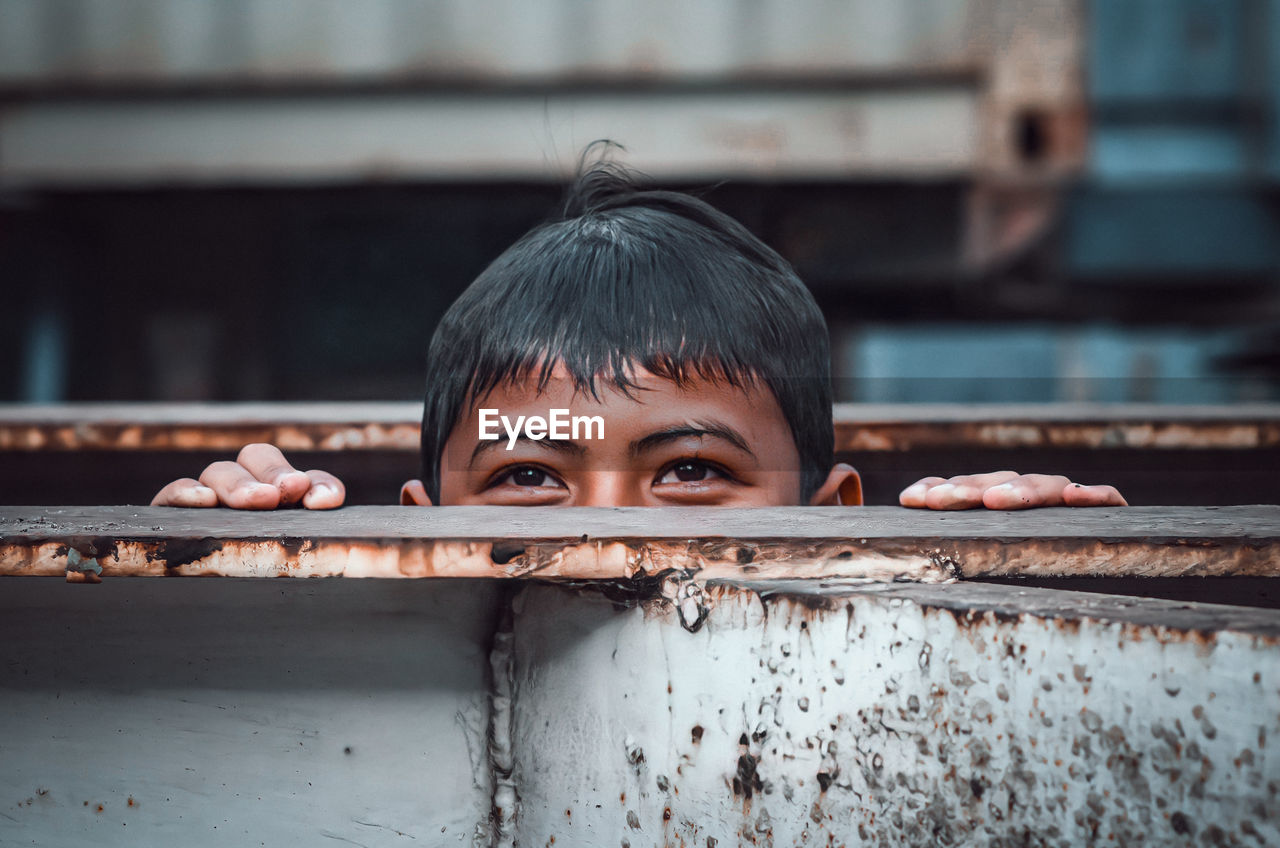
(903, 715)
(270, 91)
(671, 707)
(696, 135)
(133, 41)
(219, 712)
(244, 713)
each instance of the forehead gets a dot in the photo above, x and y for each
(647, 389)
(654, 402)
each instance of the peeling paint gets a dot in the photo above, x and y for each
(958, 723)
(501, 759)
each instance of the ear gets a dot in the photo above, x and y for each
(843, 487)
(413, 493)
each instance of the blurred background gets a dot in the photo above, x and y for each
(993, 200)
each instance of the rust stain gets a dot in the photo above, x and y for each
(746, 780)
(115, 436)
(1104, 557)
(1224, 434)
(900, 434)
(418, 558)
(684, 574)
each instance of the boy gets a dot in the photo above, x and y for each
(694, 357)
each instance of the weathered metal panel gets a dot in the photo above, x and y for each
(898, 715)
(343, 426)
(1016, 62)
(1168, 50)
(715, 704)
(1034, 113)
(230, 426)
(184, 41)
(1183, 128)
(874, 543)
(1269, 27)
(885, 427)
(927, 131)
(1171, 232)
(244, 713)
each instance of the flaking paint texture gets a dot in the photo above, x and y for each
(876, 721)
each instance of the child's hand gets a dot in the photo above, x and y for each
(1006, 490)
(260, 478)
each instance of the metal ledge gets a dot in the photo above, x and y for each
(869, 543)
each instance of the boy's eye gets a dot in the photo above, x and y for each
(688, 471)
(528, 476)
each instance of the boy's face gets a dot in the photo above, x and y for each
(703, 444)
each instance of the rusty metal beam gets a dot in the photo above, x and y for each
(876, 543)
(1091, 426)
(198, 427)
(859, 427)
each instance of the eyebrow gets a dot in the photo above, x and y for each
(557, 445)
(699, 430)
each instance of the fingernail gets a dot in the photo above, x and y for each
(945, 490)
(1014, 490)
(319, 491)
(289, 477)
(914, 490)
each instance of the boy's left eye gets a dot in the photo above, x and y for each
(527, 476)
(688, 471)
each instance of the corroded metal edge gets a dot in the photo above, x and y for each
(1224, 434)
(295, 436)
(1258, 524)
(869, 543)
(105, 556)
(913, 560)
(974, 603)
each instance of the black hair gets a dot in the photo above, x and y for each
(630, 277)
